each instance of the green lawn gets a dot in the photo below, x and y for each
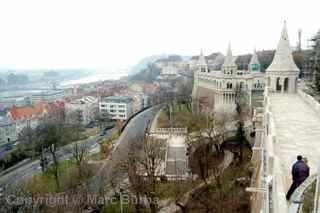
(45, 182)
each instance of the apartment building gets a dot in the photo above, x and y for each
(118, 107)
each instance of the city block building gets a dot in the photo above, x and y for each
(118, 107)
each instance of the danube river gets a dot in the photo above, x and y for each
(95, 78)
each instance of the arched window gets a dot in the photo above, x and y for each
(278, 85)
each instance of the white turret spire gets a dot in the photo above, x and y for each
(283, 59)
(201, 60)
(228, 61)
(254, 64)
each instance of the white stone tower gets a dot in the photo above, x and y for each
(282, 74)
(202, 66)
(254, 65)
(229, 67)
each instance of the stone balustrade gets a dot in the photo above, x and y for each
(169, 131)
(310, 100)
(276, 188)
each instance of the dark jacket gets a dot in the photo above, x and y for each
(300, 171)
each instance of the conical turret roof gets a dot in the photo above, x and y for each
(254, 61)
(283, 59)
(229, 61)
(202, 60)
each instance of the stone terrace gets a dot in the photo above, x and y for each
(297, 131)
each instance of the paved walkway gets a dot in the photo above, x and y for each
(298, 132)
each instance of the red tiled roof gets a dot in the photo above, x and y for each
(28, 111)
(55, 106)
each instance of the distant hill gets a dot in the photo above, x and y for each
(143, 64)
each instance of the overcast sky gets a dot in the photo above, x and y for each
(118, 33)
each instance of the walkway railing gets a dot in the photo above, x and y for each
(310, 100)
(268, 182)
(169, 131)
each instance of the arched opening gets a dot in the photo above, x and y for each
(278, 86)
(286, 84)
(229, 85)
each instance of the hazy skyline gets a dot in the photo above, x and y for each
(111, 34)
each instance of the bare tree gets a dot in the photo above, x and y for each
(200, 154)
(214, 132)
(243, 111)
(50, 135)
(102, 118)
(27, 135)
(80, 154)
(144, 167)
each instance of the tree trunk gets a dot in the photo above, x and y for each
(55, 167)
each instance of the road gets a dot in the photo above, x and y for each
(135, 128)
(34, 168)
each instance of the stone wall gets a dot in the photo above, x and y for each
(207, 96)
(272, 180)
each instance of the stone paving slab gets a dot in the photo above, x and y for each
(298, 132)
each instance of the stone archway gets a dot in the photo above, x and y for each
(278, 85)
(286, 84)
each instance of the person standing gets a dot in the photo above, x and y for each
(300, 171)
